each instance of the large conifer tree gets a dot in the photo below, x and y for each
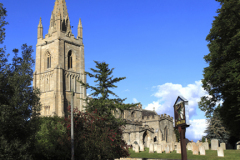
(216, 129)
(100, 97)
(222, 76)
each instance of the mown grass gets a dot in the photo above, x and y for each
(210, 155)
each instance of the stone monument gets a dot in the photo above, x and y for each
(214, 144)
(220, 152)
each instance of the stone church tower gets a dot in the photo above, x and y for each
(59, 64)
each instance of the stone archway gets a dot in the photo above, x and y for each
(146, 139)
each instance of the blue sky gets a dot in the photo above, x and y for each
(157, 45)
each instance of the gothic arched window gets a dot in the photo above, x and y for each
(166, 134)
(133, 113)
(69, 59)
(48, 60)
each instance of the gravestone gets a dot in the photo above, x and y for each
(133, 146)
(199, 144)
(151, 148)
(202, 150)
(223, 145)
(141, 147)
(189, 146)
(214, 144)
(159, 148)
(206, 145)
(170, 147)
(164, 146)
(205, 139)
(155, 147)
(178, 148)
(136, 148)
(167, 149)
(238, 145)
(195, 149)
(198, 141)
(220, 152)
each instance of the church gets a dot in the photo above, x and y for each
(60, 64)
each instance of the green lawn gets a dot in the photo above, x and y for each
(210, 155)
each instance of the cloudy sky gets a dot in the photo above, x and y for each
(157, 45)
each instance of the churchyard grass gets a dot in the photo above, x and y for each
(210, 155)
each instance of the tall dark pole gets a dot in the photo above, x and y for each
(182, 130)
(72, 130)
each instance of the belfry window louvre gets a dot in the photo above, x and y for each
(69, 59)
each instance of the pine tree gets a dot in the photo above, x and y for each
(106, 107)
(101, 100)
(222, 76)
(216, 129)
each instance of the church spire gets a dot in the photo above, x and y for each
(59, 18)
(80, 29)
(40, 29)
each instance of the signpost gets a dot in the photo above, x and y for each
(180, 122)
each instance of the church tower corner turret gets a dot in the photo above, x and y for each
(80, 29)
(59, 64)
(40, 29)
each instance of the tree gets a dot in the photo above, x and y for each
(222, 76)
(18, 101)
(50, 141)
(19, 107)
(92, 139)
(3, 59)
(101, 101)
(216, 129)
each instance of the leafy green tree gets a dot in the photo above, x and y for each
(101, 101)
(92, 139)
(222, 76)
(216, 129)
(3, 58)
(203, 139)
(19, 103)
(19, 107)
(49, 141)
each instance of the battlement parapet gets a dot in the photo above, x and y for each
(152, 117)
(133, 122)
(157, 117)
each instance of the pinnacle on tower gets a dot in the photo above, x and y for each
(40, 29)
(80, 29)
(40, 23)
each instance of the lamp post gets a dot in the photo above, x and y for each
(180, 122)
(72, 129)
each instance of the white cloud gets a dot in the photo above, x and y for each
(167, 95)
(135, 100)
(196, 129)
(127, 90)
